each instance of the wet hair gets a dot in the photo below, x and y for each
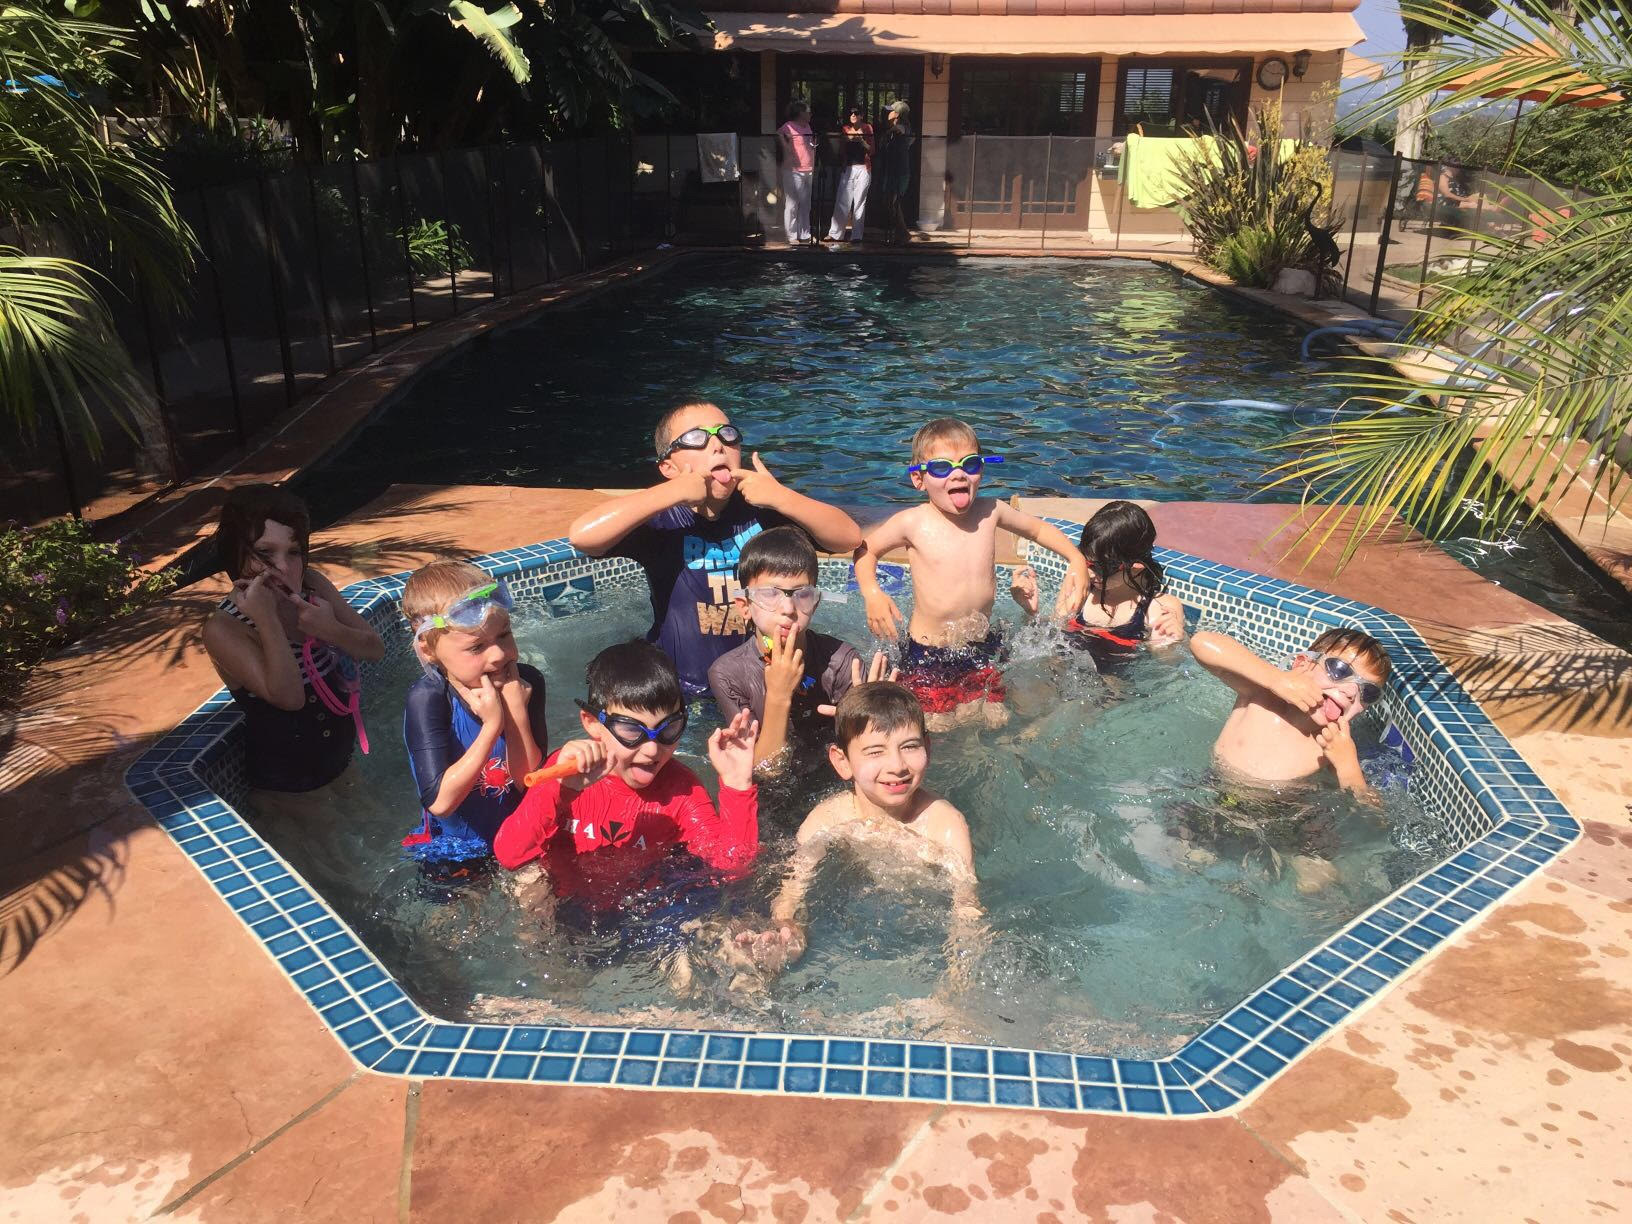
(633, 675)
(942, 429)
(1118, 535)
(243, 520)
(781, 550)
(879, 705)
(432, 589)
(796, 108)
(1358, 643)
(661, 437)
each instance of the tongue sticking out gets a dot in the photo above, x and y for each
(721, 474)
(1331, 709)
(959, 498)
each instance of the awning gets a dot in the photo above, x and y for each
(1171, 34)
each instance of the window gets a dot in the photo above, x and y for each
(1024, 97)
(1169, 97)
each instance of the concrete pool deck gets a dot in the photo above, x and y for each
(158, 1060)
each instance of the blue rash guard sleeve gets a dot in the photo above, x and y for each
(427, 730)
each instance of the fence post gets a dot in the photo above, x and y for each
(1121, 193)
(668, 185)
(546, 192)
(407, 251)
(68, 485)
(509, 218)
(1428, 237)
(1048, 170)
(441, 165)
(578, 212)
(1388, 229)
(969, 202)
(1354, 226)
(317, 265)
(280, 314)
(362, 249)
(158, 385)
(221, 314)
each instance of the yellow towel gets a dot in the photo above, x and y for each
(1150, 166)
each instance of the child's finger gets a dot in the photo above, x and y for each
(827, 711)
(759, 465)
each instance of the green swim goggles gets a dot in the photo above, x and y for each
(696, 439)
(942, 468)
(470, 611)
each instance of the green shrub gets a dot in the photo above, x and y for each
(56, 585)
(1246, 208)
(429, 247)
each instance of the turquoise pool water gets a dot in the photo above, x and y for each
(1116, 920)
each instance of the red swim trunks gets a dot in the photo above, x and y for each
(944, 678)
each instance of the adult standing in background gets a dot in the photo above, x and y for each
(895, 170)
(798, 168)
(850, 204)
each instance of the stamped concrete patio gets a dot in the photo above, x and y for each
(159, 1062)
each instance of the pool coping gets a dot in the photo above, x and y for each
(1217, 1071)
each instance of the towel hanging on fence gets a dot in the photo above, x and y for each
(1151, 166)
(717, 157)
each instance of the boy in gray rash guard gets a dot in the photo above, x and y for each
(787, 676)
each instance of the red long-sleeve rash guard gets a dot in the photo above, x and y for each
(602, 841)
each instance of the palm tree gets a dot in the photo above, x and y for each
(1423, 33)
(1545, 302)
(61, 184)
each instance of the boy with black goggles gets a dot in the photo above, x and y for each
(687, 531)
(629, 802)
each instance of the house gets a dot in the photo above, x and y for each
(990, 81)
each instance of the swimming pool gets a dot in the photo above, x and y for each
(1503, 822)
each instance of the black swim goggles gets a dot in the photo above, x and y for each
(696, 439)
(942, 468)
(1341, 671)
(632, 733)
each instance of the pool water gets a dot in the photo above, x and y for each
(1128, 902)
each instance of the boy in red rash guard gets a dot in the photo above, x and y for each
(599, 835)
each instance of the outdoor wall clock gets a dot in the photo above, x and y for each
(1272, 73)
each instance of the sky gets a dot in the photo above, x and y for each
(1380, 19)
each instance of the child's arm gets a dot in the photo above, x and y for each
(596, 532)
(883, 617)
(350, 632)
(833, 530)
(1249, 675)
(260, 659)
(728, 838)
(546, 808)
(782, 676)
(1166, 621)
(1338, 750)
(460, 777)
(1023, 590)
(1075, 586)
(525, 739)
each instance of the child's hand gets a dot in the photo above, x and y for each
(314, 617)
(785, 669)
(515, 691)
(774, 950)
(1337, 746)
(1166, 622)
(590, 758)
(482, 701)
(690, 488)
(883, 617)
(756, 484)
(731, 751)
(1023, 589)
(1301, 691)
(878, 669)
(256, 598)
(1073, 590)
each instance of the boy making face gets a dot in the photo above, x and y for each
(599, 834)
(786, 675)
(1288, 725)
(688, 531)
(951, 543)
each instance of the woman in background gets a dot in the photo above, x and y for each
(850, 204)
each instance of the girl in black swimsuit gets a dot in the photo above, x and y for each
(1126, 604)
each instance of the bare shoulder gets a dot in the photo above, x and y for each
(827, 815)
(942, 816)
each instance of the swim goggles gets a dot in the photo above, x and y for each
(804, 598)
(471, 610)
(942, 468)
(1341, 671)
(632, 733)
(696, 439)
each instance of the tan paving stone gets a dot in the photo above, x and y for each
(1492, 1086)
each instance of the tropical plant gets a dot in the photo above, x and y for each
(435, 248)
(1249, 200)
(62, 186)
(1425, 22)
(1545, 304)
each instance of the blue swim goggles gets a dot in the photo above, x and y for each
(632, 733)
(942, 468)
(470, 611)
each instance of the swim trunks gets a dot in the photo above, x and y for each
(946, 677)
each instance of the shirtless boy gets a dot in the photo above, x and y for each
(1289, 725)
(882, 749)
(951, 543)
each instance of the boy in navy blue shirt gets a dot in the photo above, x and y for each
(474, 724)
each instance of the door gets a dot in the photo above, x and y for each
(832, 82)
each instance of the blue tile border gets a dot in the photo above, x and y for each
(1510, 823)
